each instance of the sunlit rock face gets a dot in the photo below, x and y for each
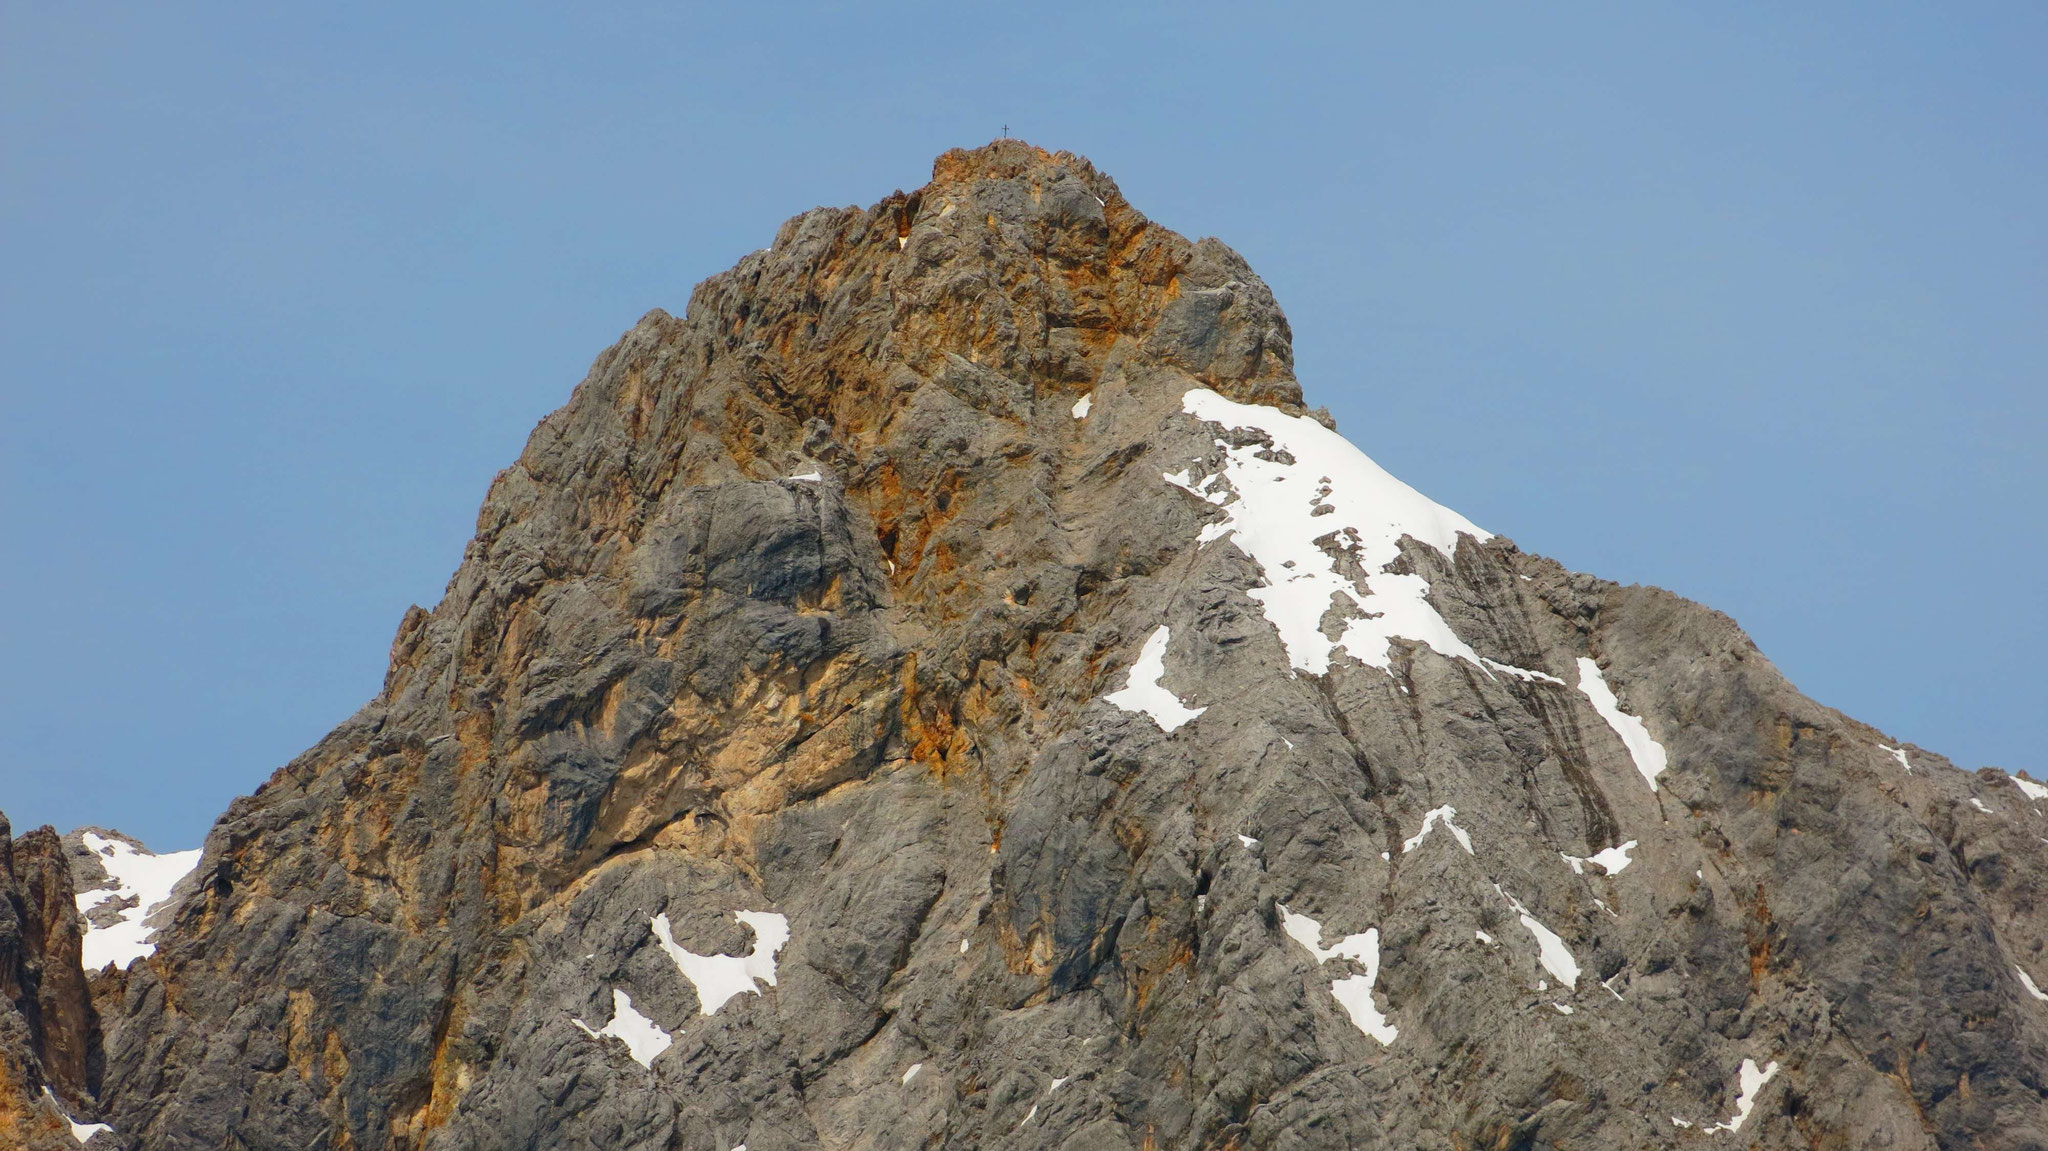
(946, 690)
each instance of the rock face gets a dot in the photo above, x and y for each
(49, 1033)
(946, 691)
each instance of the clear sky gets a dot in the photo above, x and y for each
(1746, 304)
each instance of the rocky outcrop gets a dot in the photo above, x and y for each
(945, 690)
(49, 1034)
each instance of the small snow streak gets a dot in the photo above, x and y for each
(1521, 672)
(1142, 692)
(1647, 752)
(809, 478)
(1429, 820)
(1979, 805)
(1898, 753)
(912, 1073)
(2028, 980)
(1082, 405)
(1550, 947)
(718, 978)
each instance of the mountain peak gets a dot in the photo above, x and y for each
(943, 689)
(1012, 159)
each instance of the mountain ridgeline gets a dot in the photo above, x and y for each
(947, 690)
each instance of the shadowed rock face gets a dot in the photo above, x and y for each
(49, 1033)
(801, 616)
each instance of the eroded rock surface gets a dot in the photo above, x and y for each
(757, 781)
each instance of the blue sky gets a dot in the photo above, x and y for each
(1744, 304)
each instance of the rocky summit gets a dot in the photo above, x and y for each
(947, 690)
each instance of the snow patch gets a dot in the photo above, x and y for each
(1550, 947)
(809, 478)
(140, 875)
(1250, 844)
(82, 1132)
(1613, 860)
(1482, 937)
(1354, 992)
(2033, 790)
(1143, 693)
(1521, 672)
(2029, 981)
(1647, 752)
(718, 978)
(1279, 511)
(1753, 1081)
(644, 1039)
(1979, 805)
(1429, 820)
(912, 1073)
(1898, 753)
(1082, 405)
(1563, 1008)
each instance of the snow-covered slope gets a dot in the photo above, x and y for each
(131, 884)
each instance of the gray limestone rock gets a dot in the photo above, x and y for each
(946, 691)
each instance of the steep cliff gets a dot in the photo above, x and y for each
(946, 690)
(50, 1054)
